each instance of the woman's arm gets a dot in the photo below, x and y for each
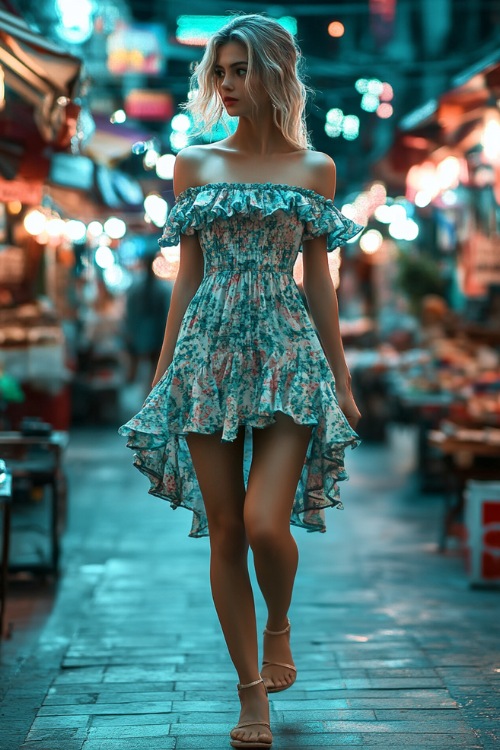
(186, 284)
(323, 305)
(322, 297)
(190, 273)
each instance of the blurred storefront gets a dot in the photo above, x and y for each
(38, 118)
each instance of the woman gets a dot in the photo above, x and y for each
(242, 367)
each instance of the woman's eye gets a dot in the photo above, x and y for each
(242, 70)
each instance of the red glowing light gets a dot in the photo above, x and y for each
(385, 110)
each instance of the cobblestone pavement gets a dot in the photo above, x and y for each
(393, 649)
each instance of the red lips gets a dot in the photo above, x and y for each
(229, 100)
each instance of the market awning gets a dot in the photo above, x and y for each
(450, 118)
(39, 72)
(454, 120)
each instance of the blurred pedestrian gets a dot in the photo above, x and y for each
(147, 305)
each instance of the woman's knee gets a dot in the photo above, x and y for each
(227, 537)
(266, 534)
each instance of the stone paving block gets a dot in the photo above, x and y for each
(145, 707)
(325, 714)
(57, 734)
(137, 697)
(412, 704)
(85, 674)
(468, 675)
(50, 744)
(306, 742)
(386, 664)
(139, 674)
(124, 720)
(423, 741)
(129, 744)
(156, 732)
(202, 706)
(426, 715)
(388, 683)
(74, 720)
(69, 699)
(101, 688)
(284, 703)
(312, 694)
(12, 736)
(130, 660)
(411, 673)
(441, 726)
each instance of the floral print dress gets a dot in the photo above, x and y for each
(246, 347)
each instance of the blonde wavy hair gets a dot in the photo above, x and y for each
(274, 62)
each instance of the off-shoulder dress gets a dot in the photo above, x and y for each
(246, 347)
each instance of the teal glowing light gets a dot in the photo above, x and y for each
(350, 127)
(75, 20)
(369, 102)
(361, 85)
(333, 130)
(196, 30)
(375, 87)
(334, 116)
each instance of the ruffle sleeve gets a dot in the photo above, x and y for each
(179, 221)
(321, 217)
(199, 206)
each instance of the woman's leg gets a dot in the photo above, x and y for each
(278, 457)
(219, 470)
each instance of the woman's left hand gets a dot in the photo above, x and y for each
(348, 405)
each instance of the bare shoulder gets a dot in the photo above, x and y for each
(187, 167)
(322, 172)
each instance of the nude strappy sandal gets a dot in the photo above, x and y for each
(279, 664)
(251, 743)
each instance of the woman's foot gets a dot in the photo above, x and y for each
(253, 726)
(278, 669)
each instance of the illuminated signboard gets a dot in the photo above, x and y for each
(196, 30)
(137, 49)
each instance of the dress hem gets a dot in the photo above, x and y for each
(318, 499)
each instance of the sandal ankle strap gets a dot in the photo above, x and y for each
(278, 632)
(249, 684)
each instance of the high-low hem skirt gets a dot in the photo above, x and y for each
(157, 435)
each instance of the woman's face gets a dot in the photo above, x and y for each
(230, 73)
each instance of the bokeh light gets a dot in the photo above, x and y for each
(115, 228)
(371, 241)
(336, 29)
(385, 110)
(104, 256)
(165, 166)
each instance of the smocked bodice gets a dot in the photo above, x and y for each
(254, 226)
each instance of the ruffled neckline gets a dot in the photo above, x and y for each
(254, 186)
